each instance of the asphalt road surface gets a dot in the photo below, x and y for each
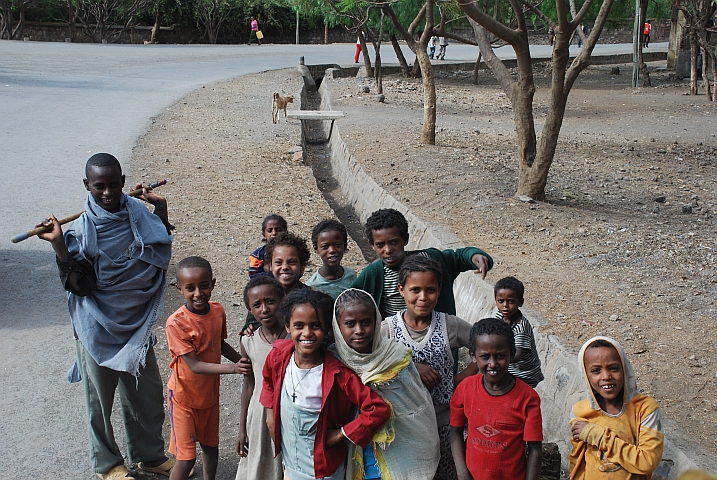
(59, 104)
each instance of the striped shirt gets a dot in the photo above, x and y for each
(528, 367)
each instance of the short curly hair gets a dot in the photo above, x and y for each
(510, 283)
(291, 240)
(329, 225)
(491, 326)
(386, 218)
(419, 263)
(195, 262)
(261, 280)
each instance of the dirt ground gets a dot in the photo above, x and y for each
(603, 255)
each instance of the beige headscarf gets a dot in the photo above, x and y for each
(387, 357)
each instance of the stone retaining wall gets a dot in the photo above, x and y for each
(563, 385)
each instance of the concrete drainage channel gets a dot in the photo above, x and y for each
(354, 195)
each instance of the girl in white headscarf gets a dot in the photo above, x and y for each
(407, 446)
(617, 431)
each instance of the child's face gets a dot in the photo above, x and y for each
(389, 246)
(264, 304)
(272, 229)
(508, 304)
(286, 266)
(307, 331)
(606, 376)
(105, 185)
(420, 293)
(492, 354)
(330, 247)
(196, 285)
(358, 326)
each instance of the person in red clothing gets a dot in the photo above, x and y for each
(502, 413)
(196, 336)
(646, 34)
(309, 395)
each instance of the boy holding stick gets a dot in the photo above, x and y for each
(113, 263)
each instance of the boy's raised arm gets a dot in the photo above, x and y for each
(159, 203)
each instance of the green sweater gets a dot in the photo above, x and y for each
(453, 263)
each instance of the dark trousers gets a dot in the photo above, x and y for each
(142, 402)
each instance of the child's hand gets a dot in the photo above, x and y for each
(54, 236)
(577, 428)
(248, 331)
(429, 376)
(242, 444)
(244, 366)
(481, 264)
(334, 436)
(54, 225)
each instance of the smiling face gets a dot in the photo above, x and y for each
(606, 376)
(272, 229)
(105, 185)
(307, 330)
(420, 292)
(264, 303)
(508, 304)
(492, 354)
(331, 247)
(286, 266)
(196, 285)
(357, 323)
(389, 245)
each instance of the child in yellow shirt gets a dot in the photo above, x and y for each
(617, 431)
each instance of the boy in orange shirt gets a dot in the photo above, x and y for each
(196, 336)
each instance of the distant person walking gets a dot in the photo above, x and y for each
(646, 34)
(583, 29)
(254, 35)
(443, 43)
(358, 49)
(432, 47)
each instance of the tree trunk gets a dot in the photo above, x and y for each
(154, 38)
(378, 75)
(713, 58)
(405, 71)
(533, 178)
(676, 33)
(428, 135)
(7, 20)
(326, 33)
(364, 52)
(694, 50)
(416, 69)
(644, 72)
(476, 68)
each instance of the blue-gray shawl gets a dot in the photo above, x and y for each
(130, 252)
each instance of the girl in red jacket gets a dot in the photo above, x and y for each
(309, 394)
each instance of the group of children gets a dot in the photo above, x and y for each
(356, 377)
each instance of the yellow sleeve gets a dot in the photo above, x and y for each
(577, 460)
(641, 459)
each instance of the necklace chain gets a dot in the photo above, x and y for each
(294, 384)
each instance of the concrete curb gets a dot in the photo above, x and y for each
(563, 385)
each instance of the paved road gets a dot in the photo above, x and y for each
(60, 103)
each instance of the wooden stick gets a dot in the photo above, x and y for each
(24, 236)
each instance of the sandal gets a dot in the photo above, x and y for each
(119, 472)
(163, 469)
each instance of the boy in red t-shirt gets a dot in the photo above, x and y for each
(196, 336)
(502, 412)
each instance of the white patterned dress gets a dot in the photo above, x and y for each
(260, 463)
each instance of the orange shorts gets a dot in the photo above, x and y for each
(189, 426)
